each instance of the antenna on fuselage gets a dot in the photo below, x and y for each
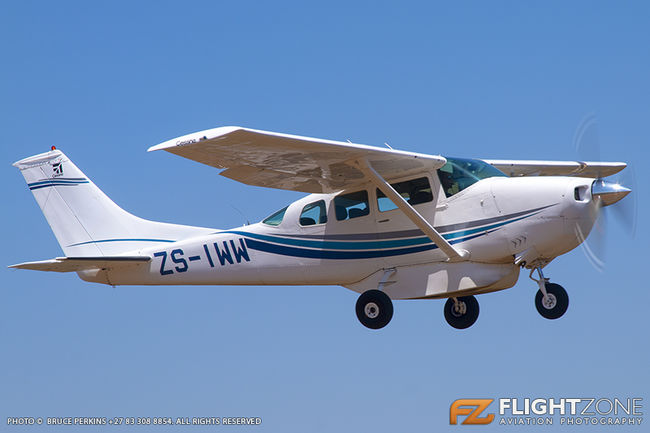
(242, 214)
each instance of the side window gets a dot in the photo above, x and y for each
(352, 205)
(313, 213)
(276, 218)
(416, 191)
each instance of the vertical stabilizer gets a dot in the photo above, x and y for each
(84, 220)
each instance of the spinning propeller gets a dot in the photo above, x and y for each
(605, 192)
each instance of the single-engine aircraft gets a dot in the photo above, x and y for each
(388, 224)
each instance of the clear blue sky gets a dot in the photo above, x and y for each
(476, 79)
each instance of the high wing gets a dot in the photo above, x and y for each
(292, 162)
(76, 264)
(556, 168)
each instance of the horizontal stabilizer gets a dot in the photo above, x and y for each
(76, 264)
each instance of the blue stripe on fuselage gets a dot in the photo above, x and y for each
(373, 245)
(341, 255)
(121, 240)
(344, 249)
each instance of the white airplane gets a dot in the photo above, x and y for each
(385, 223)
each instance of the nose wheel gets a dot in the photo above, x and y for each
(551, 299)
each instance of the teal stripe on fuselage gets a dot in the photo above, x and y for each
(365, 245)
(121, 240)
(308, 253)
(453, 237)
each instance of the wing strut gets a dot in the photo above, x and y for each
(454, 254)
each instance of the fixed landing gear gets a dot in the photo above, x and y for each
(551, 299)
(461, 312)
(374, 309)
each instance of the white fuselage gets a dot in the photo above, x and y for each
(499, 220)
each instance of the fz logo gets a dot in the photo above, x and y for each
(471, 408)
(57, 167)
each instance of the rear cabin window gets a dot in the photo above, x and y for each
(416, 191)
(313, 213)
(352, 205)
(276, 218)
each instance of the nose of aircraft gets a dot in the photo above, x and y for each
(608, 192)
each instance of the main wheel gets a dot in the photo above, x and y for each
(555, 304)
(374, 309)
(462, 314)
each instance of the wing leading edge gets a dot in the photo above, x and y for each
(292, 162)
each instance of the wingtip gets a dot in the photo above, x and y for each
(157, 147)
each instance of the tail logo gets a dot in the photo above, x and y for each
(57, 168)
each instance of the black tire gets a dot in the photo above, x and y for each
(465, 320)
(557, 306)
(374, 309)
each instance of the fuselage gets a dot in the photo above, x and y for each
(347, 237)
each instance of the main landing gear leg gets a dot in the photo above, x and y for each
(551, 299)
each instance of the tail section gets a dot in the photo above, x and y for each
(84, 220)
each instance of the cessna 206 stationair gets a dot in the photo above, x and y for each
(385, 223)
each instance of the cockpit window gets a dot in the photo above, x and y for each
(276, 218)
(352, 205)
(313, 213)
(458, 174)
(414, 191)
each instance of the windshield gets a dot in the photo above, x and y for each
(276, 218)
(459, 173)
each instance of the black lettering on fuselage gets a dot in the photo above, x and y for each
(225, 255)
(240, 252)
(163, 255)
(179, 260)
